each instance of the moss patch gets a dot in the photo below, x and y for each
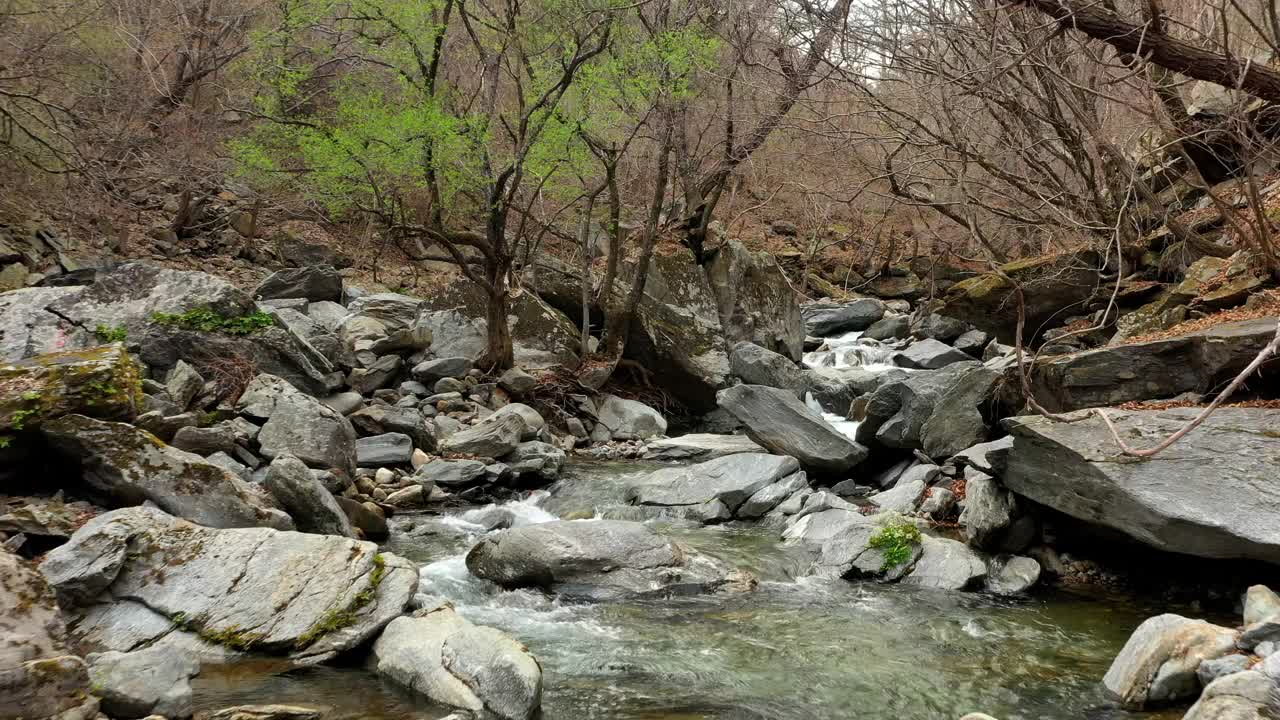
(208, 320)
(339, 618)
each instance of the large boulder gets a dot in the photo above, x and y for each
(1158, 664)
(312, 283)
(781, 423)
(39, 676)
(124, 465)
(857, 548)
(102, 382)
(594, 559)
(825, 319)
(629, 419)
(755, 300)
(730, 480)
(1049, 284)
(541, 335)
(939, 412)
(1196, 362)
(444, 657)
(299, 425)
(224, 591)
(1211, 494)
(755, 365)
(312, 507)
(946, 565)
(146, 682)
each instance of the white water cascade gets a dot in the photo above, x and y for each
(843, 352)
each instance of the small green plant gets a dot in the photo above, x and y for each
(207, 320)
(894, 541)
(5, 441)
(20, 417)
(111, 334)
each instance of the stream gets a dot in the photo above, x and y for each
(796, 648)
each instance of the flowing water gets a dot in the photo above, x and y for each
(795, 648)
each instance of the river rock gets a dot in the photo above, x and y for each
(102, 382)
(1196, 362)
(700, 446)
(149, 681)
(1240, 696)
(848, 552)
(267, 712)
(593, 558)
(781, 423)
(183, 384)
(312, 283)
(493, 438)
(1261, 603)
(450, 473)
(431, 371)
(536, 458)
(629, 419)
(770, 496)
(731, 480)
(826, 319)
(39, 676)
(755, 365)
(254, 589)
(1212, 494)
(905, 496)
(990, 457)
(299, 425)
(892, 327)
(533, 420)
(367, 517)
(939, 412)
(382, 373)
(929, 354)
(1211, 670)
(381, 419)
(1012, 574)
(453, 662)
(312, 507)
(128, 466)
(813, 527)
(1049, 284)
(989, 510)
(385, 449)
(946, 565)
(1158, 664)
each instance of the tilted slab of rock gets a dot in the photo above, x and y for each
(129, 466)
(594, 559)
(138, 577)
(781, 423)
(755, 300)
(1196, 362)
(732, 480)
(39, 677)
(446, 658)
(824, 319)
(939, 412)
(1214, 493)
(700, 446)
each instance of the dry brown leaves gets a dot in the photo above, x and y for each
(1265, 304)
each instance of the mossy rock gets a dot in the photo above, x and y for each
(102, 382)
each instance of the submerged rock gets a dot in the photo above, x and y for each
(781, 423)
(453, 662)
(224, 591)
(593, 558)
(1212, 494)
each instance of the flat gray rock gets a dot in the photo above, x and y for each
(629, 419)
(700, 446)
(1214, 493)
(492, 438)
(731, 480)
(946, 565)
(234, 591)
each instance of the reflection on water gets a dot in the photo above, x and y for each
(796, 648)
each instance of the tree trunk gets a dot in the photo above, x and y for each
(499, 353)
(1163, 50)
